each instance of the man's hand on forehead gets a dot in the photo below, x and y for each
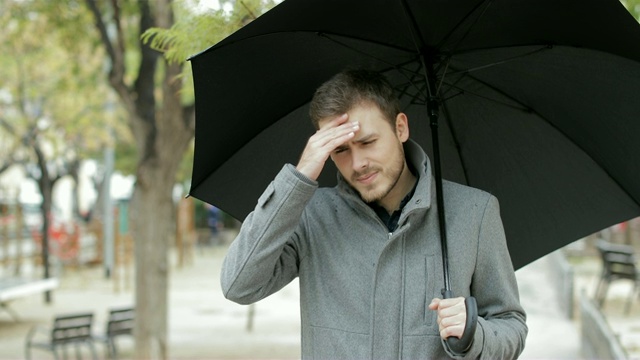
(333, 121)
(332, 133)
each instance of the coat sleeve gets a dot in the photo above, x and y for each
(265, 255)
(502, 329)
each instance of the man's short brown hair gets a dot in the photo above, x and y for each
(350, 88)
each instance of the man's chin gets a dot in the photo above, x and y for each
(369, 193)
(369, 196)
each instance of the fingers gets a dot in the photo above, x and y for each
(338, 120)
(332, 134)
(452, 316)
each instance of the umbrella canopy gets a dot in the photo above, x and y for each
(537, 102)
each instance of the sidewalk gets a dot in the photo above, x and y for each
(551, 334)
(203, 325)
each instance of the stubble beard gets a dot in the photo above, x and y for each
(369, 193)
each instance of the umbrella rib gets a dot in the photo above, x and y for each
(411, 83)
(467, 73)
(529, 110)
(328, 36)
(503, 61)
(454, 137)
(462, 90)
(322, 33)
(420, 48)
(462, 21)
(447, 63)
(462, 38)
(401, 68)
(465, 91)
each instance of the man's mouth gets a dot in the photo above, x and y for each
(368, 178)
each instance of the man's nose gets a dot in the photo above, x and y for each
(359, 160)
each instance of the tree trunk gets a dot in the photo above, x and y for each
(162, 129)
(152, 210)
(46, 188)
(151, 205)
(45, 184)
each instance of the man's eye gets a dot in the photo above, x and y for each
(339, 150)
(369, 142)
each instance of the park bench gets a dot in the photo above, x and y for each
(618, 263)
(68, 329)
(120, 322)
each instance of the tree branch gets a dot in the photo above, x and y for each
(102, 30)
(146, 130)
(115, 53)
(5, 124)
(144, 85)
(4, 166)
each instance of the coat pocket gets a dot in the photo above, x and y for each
(339, 344)
(430, 317)
(423, 347)
(420, 289)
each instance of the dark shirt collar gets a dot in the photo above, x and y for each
(391, 220)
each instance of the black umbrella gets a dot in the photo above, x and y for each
(536, 101)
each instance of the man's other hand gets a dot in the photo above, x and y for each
(452, 316)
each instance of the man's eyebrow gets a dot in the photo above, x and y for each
(341, 147)
(365, 138)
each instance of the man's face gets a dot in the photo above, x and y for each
(373, 161)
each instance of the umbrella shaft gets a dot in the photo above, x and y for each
(433, 109)
(440, 204)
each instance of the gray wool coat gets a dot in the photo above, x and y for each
(364, 292)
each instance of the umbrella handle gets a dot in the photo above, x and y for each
(462, 345)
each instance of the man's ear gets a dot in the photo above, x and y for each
(402, 127)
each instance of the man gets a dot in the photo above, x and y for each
(367, 252)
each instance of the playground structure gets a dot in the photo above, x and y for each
(80, 243)
(72, 245)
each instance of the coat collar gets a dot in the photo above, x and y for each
(425, 190)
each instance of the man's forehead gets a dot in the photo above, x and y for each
(357, 113)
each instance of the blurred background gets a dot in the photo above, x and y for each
(96, 145)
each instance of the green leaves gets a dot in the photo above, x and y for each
(634, 7)
(52, 79)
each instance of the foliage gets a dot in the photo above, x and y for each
(51, 78)
(198, 28)
(634, 7)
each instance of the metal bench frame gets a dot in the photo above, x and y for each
(618, 263)
(120, 322)
(67, 329)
